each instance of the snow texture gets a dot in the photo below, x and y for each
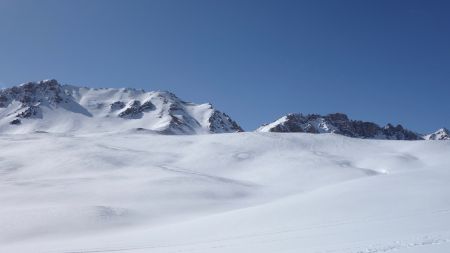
(51, 107)
(239, 192)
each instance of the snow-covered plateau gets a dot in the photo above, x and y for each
(235, 192)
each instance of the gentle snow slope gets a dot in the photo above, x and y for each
(247, 192)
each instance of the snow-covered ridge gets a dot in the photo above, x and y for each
(339, 123)
(441, 134)
(49, 106)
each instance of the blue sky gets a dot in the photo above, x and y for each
(384, 61)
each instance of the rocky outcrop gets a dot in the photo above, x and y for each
(338, 123)
(15, 122)
(134, 109)
(221, 123)
(31, 93)
(118, 105)
(31, 112)
(399, 133)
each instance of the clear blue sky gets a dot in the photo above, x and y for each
(385, 61)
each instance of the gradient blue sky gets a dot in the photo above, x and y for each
(385, 61)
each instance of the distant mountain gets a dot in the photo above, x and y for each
(338, 123)
(441, 134)
(49, 106)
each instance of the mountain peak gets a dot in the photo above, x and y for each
(337, 123)
(440, 134)
(45, 82)
(49, 106)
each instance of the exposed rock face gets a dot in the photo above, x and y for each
(338, 123)
(15, 122)
(44, 105)
(132, 111)
(400, 133)
(222, 123)
(31, 112)
(117, 106)
(441, 134)
(47, 91)
(147, 106)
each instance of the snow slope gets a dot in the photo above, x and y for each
(51, 107)
(240, 192)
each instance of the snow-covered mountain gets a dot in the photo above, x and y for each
(51, 107)
(441, 134)
(338, 123)
(107, 187)
(48, 106)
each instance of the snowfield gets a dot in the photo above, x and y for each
(240, 192)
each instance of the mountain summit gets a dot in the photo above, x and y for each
(49, 106)
(338, 123)
(441, 134)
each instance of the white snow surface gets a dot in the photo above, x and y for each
(237, 192)
(69, 109)
(267, 127)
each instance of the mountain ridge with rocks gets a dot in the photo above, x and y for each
(339, 123)
(48, 106)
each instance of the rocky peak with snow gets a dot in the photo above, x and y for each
(441, 134)
(49, 106)
(338, 123)
(32, 93)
